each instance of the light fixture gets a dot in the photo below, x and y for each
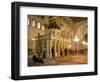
(76, 39)
(84, 43)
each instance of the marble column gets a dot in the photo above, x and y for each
(54, 48)
(63, 48)
(42, 49)
(50, 45)
(47, 50)
(58, 48)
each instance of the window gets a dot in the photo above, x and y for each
(43, 28)
(39, 25)
(53, 32)
(33, 23)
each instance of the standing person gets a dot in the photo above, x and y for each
(61, 52)
(52, 50)
(65, 52)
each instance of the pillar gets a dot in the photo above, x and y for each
(50, 45)
(58, 48)
(47, 50)
(63, 48)
(54, 48)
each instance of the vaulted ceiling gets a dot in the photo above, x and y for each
(77, 19)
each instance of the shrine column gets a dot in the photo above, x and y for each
(54, 48)
(58, 48)
(42, 48)
(63, 49)
(47, 50)
(50, 46)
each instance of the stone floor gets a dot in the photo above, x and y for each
(65, 60)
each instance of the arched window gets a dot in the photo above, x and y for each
(43, 28)
(39, 25)
(33, 23)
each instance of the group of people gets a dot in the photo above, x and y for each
(62, 52)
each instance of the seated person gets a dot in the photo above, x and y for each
(37, 59)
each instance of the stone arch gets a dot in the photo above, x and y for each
(85, 37)
(82, 31)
